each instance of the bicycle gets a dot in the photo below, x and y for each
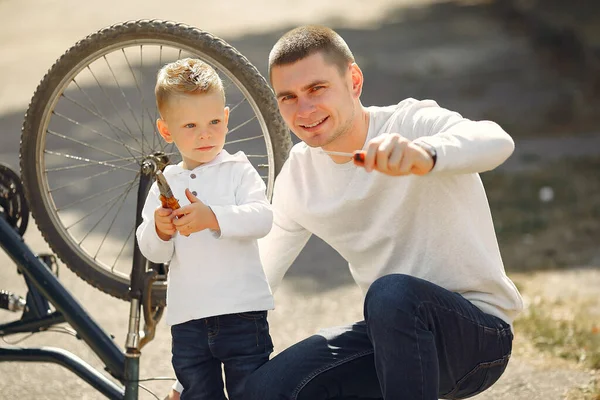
(89, 132)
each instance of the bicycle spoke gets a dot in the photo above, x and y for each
(122, 199)
(156, 108)
(91, 164)
(70, 139)
(237, 105)
(130, 133)
(95, 195)
(100, 116)
(240, 125)
(112, 269)
(98, 162)
(97, 111)
(113, 221)
(245, 139)
(101, 206)
(126, 101)
(140, 91)
(120, 143)
(85, 179)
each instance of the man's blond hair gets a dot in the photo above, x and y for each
(186, 76)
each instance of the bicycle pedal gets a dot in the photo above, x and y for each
(11, 302)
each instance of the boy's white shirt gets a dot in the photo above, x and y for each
(437, 227)
(213, 273)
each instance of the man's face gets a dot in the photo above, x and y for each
(315, 99)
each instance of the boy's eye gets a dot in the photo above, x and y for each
(190, 125)
(215, 121)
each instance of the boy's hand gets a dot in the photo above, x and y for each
(163, 222)
(194, 217)
(395, 155)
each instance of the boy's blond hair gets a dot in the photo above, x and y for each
(186, 76)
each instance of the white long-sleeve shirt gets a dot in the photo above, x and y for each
(436, 227)
(213, 273)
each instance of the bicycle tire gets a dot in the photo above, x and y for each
(75, 60)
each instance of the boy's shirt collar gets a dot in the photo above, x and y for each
(221, 158)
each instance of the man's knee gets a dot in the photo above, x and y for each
(392, 296)
(266, 383)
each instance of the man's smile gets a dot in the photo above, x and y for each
(314, 124)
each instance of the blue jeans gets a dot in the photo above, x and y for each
(241, 342)
(418, 341)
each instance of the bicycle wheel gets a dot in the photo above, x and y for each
(91, 125)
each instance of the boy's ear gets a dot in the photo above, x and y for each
(163, 129)
(226, 117)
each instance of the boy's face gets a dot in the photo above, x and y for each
(197, 124)
(316, 101)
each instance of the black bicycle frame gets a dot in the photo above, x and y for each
(69, 310)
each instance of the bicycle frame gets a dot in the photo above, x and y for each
(44, 287)
(69, 310)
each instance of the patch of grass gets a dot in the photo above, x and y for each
(589, 392)
(547, 217)
(568, 331)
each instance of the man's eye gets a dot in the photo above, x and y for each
(315, 88)
(287, 98)
(215, 121)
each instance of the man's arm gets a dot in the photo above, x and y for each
(462, 145)
(423, 137)
(287, 238)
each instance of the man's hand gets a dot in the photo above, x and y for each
(163, 222)
(194, 217)
(395, 155)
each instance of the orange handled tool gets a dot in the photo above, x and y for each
(358, 156)
(166, 195)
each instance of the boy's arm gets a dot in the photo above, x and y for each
(151, 245)
(251, 217)
(462, 145)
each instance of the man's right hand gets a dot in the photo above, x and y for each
(163, 222)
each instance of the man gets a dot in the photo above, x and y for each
(413, 222)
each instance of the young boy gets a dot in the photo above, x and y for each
(217, 293)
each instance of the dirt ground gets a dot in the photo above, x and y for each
(465, 58)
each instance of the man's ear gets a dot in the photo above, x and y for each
(163, 129)
(357, 79)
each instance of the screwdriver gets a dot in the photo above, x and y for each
(166, 195)
(358, 156)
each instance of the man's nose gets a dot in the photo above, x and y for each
(305, 107)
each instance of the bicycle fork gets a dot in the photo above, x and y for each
(140, 293)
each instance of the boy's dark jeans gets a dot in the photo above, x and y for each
(419, 341)
(241, 342)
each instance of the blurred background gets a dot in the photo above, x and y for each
(533, 66)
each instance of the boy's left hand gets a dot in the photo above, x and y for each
(194, 217)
